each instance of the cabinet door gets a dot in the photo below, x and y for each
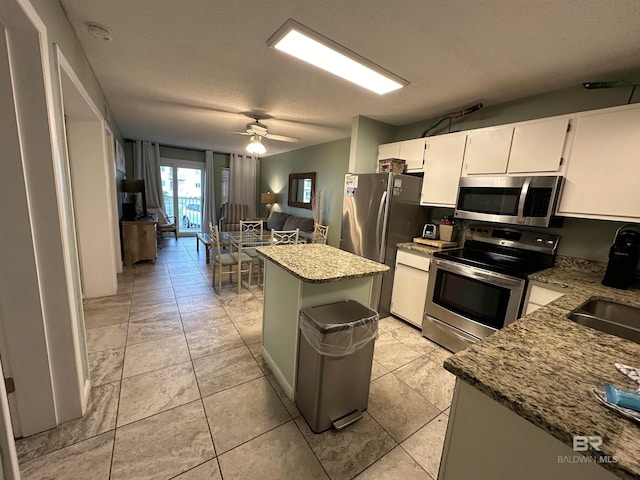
(409, 293)
(488, 151)
(442, 164)
(413, 152)
(538, 296)
(537, 147)
(389, 150)
(601, 180)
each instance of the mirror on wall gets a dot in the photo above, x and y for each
(302, 187)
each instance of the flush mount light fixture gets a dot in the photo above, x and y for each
(316, 49)
(256, 146)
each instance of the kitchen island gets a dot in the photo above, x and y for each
(306, 275)
(523, 393)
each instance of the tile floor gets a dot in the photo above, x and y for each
(180, 391)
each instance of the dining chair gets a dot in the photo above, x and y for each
(283, 237)
(230, 260)
(249, 228)
(320, 233)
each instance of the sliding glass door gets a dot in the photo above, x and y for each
(182, 191)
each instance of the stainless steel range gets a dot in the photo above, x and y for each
(480, 288)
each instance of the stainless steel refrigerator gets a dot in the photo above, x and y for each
(379, 211)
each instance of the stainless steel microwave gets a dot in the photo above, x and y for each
(515, 200)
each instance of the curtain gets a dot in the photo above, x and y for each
(209, 210)
(244, 176)
(146, 165)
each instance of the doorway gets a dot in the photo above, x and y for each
(182, 193)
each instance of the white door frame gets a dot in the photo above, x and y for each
(41, 336)
(92, 185)
(9, 468)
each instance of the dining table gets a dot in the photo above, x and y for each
(236, 242)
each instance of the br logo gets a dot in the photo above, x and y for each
(581, 443)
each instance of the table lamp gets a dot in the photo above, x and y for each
(268, 199)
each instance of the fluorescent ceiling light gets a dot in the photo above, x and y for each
(256, 146)
(318, 50)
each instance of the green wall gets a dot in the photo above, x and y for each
(558, 102)
(182, 153)
(330, 161)
(366, 135)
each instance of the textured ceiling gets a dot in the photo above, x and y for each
(182, 72)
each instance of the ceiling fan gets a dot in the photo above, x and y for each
(257, 131)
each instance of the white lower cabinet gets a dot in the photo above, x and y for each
(539, 295)
(410, 287)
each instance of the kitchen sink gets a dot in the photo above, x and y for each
(609, 317)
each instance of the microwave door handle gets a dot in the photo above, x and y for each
(523, 197)
(380, 222)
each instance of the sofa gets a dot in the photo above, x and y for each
(285, 221)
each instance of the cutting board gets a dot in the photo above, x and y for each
(435, 243)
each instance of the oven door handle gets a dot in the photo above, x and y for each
(477, 274)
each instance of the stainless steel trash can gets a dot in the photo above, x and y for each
(335, 354)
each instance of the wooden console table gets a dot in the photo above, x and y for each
(139, 239)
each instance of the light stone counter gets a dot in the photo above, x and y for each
(425, 250)
(544, 366)
(318, 263)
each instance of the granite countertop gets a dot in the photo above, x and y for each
(425, 250)
(318, 263)
(544, 366)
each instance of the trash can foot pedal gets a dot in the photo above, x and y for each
(347, 420)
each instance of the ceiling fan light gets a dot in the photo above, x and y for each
(256, 146)
(316, 49)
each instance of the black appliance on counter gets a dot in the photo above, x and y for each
(476, 290)
(623, 257)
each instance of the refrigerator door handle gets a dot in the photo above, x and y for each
(382, 215)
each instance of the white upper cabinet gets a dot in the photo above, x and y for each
(537, 147)
(603, 170)
(488, 151)
(532, 148)
(389, 150)
(442, 164)
(411, 151)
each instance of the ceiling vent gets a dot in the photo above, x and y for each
(99, 32)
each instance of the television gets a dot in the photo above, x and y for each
(132, 188)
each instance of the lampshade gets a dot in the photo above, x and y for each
(255, 145)
(132, 186)
(268, 197)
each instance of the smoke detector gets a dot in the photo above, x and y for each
(99, 32)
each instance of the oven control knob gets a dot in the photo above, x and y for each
(539, 240)
(471, 229)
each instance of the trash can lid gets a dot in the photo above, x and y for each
(340, 315)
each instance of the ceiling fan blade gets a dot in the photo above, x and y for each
(281, 138)
(612, 84)
(243, 133)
